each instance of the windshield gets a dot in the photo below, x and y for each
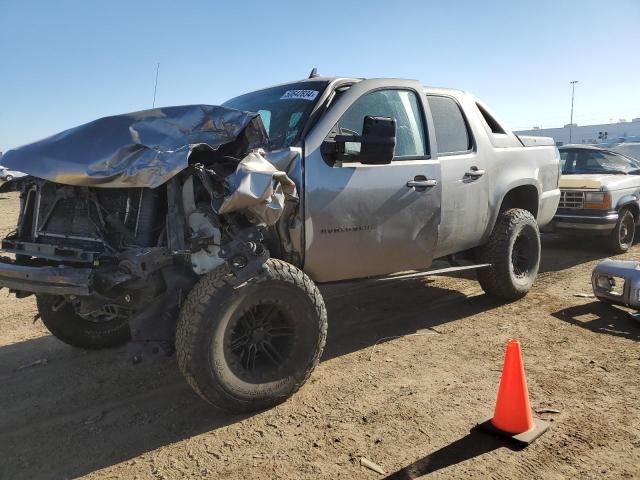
(582, 160)
(631, 149)
(284, 109)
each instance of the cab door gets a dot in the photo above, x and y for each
(465, 177)
(368, 220)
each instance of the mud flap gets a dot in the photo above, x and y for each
(153, 330)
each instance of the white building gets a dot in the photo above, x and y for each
(603, 133)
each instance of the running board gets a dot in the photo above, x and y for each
(440, 271)
(405, 276)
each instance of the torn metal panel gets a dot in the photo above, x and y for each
(260, 189)
(289, 229)
(140, 149)
(284, 158)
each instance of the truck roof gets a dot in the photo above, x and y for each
(426, 89)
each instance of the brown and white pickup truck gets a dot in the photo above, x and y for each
(600, 195)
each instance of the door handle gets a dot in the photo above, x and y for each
(474, 172)
(421, 183)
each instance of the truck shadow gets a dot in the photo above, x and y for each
(65, 413)
(602, 318)
(560, 252)
(83, 411)
(357, 322)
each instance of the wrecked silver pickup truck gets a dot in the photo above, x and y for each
(202, 229)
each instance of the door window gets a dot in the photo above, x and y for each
(452, 134)
(403, 106)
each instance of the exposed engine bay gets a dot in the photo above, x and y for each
(115, 244)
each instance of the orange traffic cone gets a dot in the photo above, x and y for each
(512, 417)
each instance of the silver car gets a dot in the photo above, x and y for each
(8, 175)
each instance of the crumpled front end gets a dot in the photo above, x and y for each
(125, 213)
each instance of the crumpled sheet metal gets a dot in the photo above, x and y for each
(140, 149)
(258, 187)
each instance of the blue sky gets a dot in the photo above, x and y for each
(67, 62)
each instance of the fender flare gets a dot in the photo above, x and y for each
(631, 199)
(520, 182)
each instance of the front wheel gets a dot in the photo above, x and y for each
(621, 238)
(104, 329)
(513, 250)
(249, 347)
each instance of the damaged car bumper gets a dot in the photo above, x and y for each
(49, 280)
(618, 282)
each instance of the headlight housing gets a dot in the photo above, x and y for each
(605, 282)
(597, 200)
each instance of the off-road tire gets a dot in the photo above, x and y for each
(500, 280)
(203, 341)
(69, 327)
(622, 236)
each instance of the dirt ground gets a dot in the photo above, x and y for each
(407, 403)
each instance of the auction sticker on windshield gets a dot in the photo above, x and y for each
(299, 95)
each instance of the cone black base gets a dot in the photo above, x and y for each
(524, 439)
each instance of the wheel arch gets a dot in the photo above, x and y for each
(630, 202)
(525, 197)
(524, 194)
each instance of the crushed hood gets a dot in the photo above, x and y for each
(140, 149)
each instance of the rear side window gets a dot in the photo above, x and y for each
(492, 122)
(452, 134)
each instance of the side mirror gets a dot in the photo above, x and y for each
(377, 143)
(378, 140)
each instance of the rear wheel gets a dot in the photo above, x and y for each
(513, 250)
(104, 329)
(621, 238)
(251, 347)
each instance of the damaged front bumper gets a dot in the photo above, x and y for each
(51, 280)
(618, 282)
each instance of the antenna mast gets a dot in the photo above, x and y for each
(155, 88)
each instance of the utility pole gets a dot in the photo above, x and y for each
(155, 88)
(573, 90)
